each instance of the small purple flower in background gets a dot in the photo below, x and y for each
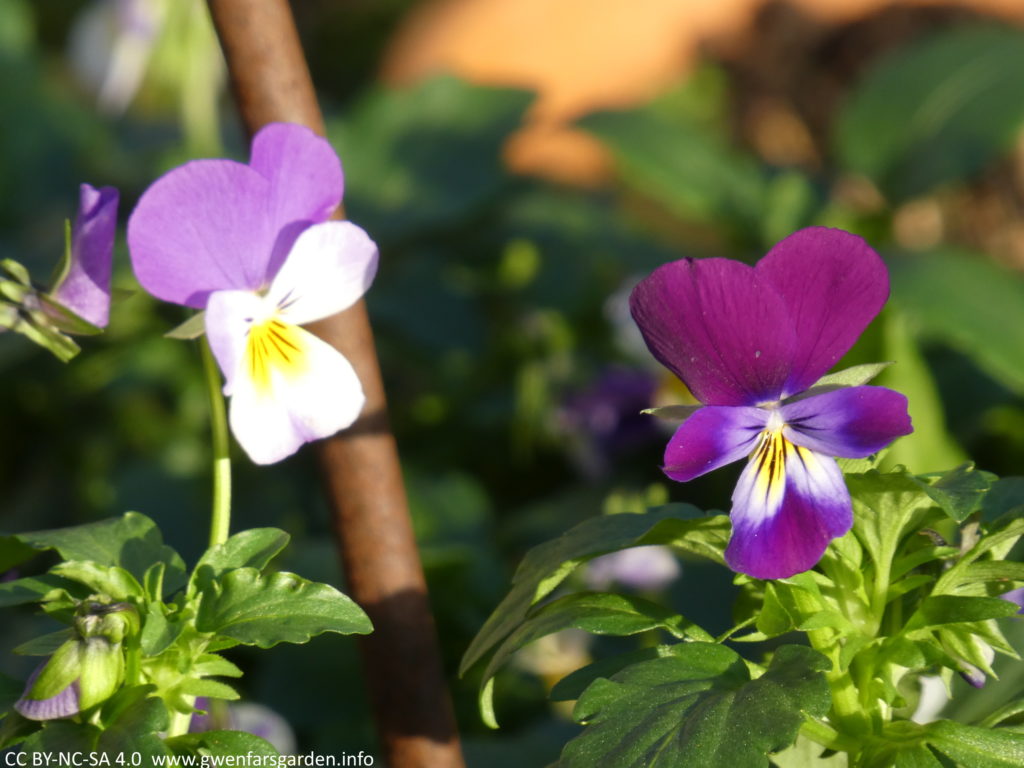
(647, 569)
(604, 420)
(252, 245)
(85, 288)
(248, 717)
(750, 343)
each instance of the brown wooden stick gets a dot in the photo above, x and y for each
(360, 466)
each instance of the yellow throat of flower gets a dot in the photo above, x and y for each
(274, 347)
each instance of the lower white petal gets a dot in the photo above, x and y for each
(290, 388)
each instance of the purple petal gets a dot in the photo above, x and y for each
(719, 326)
(86, 288)
(833, 284)
(711, 438)
(852, 422)
(305, 178)
(200, 228)
(63, 704)
(788, 505)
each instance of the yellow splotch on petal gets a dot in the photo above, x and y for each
(274, 348)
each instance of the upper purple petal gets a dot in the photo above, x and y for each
(776, 535)
(852, 422)
(306, 182)
(711, 438)
(200, 228)
(833, 285)
(719, 326)
(86, 288)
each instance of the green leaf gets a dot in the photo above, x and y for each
(960, 491)
(977, 747)
(277, 608)
(885, 506)
(699, 708)
(211, 689)
(33, 589)
(969, 303)
(253, 548)
(62, 737)
(192, 328)
(13, 552)
(210, 665)
(112, 582)
(133, 720)
(420, 158)
(44, 645)
(571, 686)
(132, 542)
(10, 692)
(157, 632)
(547, 565)
(221, 744)
(935, 111)
(1005, 495)
(598, 613)
(953, 609)
(690, 169)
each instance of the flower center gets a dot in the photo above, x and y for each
(273, 346)
(769, 460)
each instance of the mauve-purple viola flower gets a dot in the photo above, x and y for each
(749, 342)
(85, 289)
(62, 704)
(252, 245)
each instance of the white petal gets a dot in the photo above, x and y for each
(328, 269)
(229, 315)
(304, 397)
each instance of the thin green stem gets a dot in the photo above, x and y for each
(220, 521)
(827, 736)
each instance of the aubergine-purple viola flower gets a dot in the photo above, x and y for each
(253, 246)
(85, 288)
(749, 342)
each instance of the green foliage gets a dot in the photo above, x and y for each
(936, 111)
(699, 707)
(279, 608)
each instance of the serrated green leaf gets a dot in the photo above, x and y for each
(211, 689)
(157, 632)
(253, 548)
(698, 709)
(277, 608)
(114, 582)
(977, 747)
(960, 491)
(192, 328)
(62, 737)
(952, 609)
(547, 565)
(571, 686)
(598, 613)
(212, 665)
(132, 542)
(133, 721)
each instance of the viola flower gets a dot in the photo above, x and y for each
(85, 288)
(252, 245)
(649, 568)
(750, 343)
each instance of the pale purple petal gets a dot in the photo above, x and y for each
(200, 228)
(783, 521)
(711, 438)
(645, 568)
(720, 327)
(305, 178)
(86, 288)
(833, 285)
(852, 422)
(229, 316)
(63, 704)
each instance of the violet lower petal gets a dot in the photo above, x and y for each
(833, 285)
(719, 326)
(306, 181)
(63, 704)
(711, 438)
(852, 422)
(200, 228)
(85, 289)
(784, 515)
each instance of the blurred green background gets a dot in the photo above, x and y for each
(515, 378)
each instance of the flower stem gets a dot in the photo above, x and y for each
(220, 521)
